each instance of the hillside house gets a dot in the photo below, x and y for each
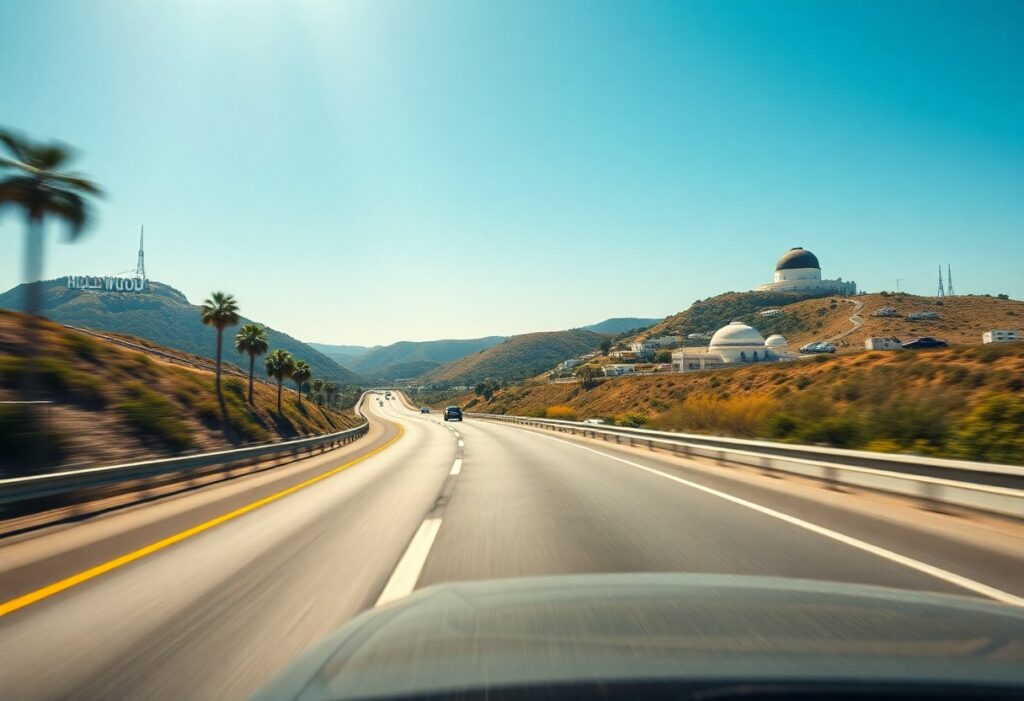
(617, 369)
(1000, 336)
(882, 343)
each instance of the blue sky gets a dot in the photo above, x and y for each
(365, 172)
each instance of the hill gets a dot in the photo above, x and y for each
(111, 403)
(407, 359)
(341, 354)
(621, 325)
(163, 315)
(516, 357)
(965, 402)
(708, 315)
(962, 319)
(804, 318)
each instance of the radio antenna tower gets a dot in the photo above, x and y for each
(140, 267)
(949, 280)
(942, 292)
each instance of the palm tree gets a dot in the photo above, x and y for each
(280, 364)
(251, 339)
(220, 311)
(41, 188)
(301, 375)
(330, 388)
(318, 387)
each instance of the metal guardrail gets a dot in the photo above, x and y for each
(986, 487)
(77, 486)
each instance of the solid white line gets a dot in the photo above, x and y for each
(407, 573)
(462, 444)
(937, 572)
(456, 467)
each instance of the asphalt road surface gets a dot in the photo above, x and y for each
(214, 613)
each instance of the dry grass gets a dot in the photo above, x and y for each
(900, 400)
(962, 320)
(112, 403)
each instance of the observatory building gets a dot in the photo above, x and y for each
(735, 343)
(798, 270)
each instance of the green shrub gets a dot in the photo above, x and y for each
(236, 387)
(993, 430)
(85, 347)
(838, 431)
(802, 381)
(153, 415)
(631, 419)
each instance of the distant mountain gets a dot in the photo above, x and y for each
(517, 357)
(164, 315)
(341, 354)
(621, 325)
(408, 359)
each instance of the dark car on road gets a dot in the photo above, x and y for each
(424, 410)
(925, 342)
(452, 413)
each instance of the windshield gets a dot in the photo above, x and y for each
(421, 347)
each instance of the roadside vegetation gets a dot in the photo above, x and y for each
(107, 403)
(959, 403)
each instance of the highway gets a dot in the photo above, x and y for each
(214, 612)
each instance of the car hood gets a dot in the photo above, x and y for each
(504, 633)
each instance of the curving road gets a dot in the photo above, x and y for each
(214, 614)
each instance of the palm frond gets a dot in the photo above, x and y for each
(47, 156)
(69, 207)
(221, 310)
(14, 143)
(14, 190)
(79, 182)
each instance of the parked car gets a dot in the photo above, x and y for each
(818, 347)
(452, 413)
(424, 410)
(925, 342)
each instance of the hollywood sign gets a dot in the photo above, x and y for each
(107, 283)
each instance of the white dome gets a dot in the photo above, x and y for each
(776, 341)
(736, 334)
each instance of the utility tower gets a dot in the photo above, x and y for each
(942, 291)
(140, 267)
(949, 280)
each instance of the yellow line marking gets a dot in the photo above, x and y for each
(84, 576)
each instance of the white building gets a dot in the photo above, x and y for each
(1000, 336)
(923, 316)
(799, 271)
(569, 364)
(616, 369)
(880, 343)
(733, 344)
(650, 345)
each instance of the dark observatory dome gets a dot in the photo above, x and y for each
(797, 258)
